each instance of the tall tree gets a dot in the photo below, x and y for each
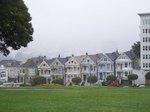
(15, 25)
(136, 48)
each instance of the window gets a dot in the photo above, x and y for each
(88, 61)
(146, 48)
(84, 67)
(143, 48)
(149, 39)
(143, 65)
(146, 65)
(101, 76)
(143, 56)
(146, 30)
(143, 30)
(126, 65)
(149, 30)
(145, 39)
(146, 56)
(105, 59)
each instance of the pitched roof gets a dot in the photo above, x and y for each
(33, 62)
(10, 63)
(113, 56)
(50, 61)
(131, 55)
(63, 60)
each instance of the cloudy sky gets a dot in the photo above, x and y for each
(68, 27)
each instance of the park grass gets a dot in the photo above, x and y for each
(75, 99)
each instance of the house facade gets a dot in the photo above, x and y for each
(3, 74)
(12, 67)
(44, 70)
(72, 68)
(88, 66)
(58, 68)
(29, 70)
(106, 65)
(125, 64)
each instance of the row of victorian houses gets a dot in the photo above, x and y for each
(100, 65)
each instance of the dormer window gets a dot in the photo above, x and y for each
(88, 61)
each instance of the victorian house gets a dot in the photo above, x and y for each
(3, 74)
(125, 64)
(58, 68)
(44, 69)
(106, 65)
(73, 68)
(12, 69)
(89, 66)
(28, 70)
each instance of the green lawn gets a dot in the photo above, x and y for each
(76, 99)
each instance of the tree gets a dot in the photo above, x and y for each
(132, 77)
(111, 78)
(58, 81)
(76, 80)
(147, 76)
(39, 80)
(15, 25)
(136, 48)
(92, 79)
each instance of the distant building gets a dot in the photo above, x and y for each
(125, 64)
(106, 65)
(28, 70)
(12, 68)
(145, 40)
(73, 68)
(3, 74)
(89, 66)
(58, 68)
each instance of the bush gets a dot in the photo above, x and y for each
(92, 79)
(1, 83)
(147, 76)
(58, 81)
(39, 80)
(76, 80)
(132, 77)
(111, 78)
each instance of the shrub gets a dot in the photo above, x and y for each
(92, 79)
(1, 83)
(132, 77)
(58, 81)
(147, 76)
(39, 80)
(111, 78)
(76, 80)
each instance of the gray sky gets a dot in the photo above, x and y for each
(68, 27)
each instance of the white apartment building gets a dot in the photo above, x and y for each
(145, 40)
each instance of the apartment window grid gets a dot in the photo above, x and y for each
(146, 39)
(146, 30)
(146, 48)
(146, 56)
(146, 65)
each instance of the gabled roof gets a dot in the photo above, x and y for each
(77, 58)
(10, 63)
(131, 55)
(63, 60)
(113, 56)
(50, 61)
(33, 62)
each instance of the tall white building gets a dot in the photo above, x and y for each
(145, 40)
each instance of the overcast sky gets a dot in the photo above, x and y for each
(68, 27)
